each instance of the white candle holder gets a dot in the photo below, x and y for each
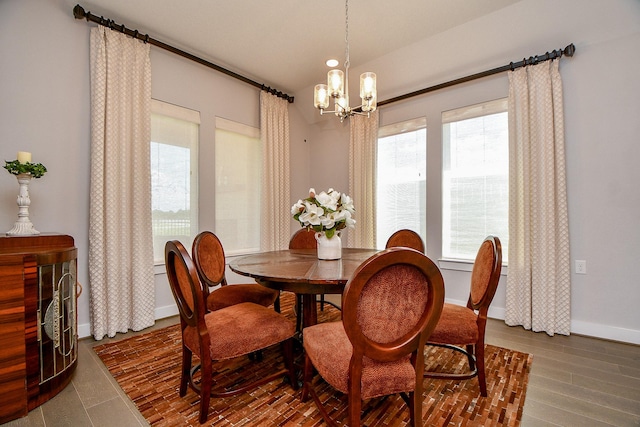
(23, 226)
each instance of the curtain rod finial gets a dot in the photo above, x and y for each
(78, 12)
(569, 50)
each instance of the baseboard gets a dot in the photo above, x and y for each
(588, 329)
(579, 327)
(84, 330)
(613, 333)
(166, 311)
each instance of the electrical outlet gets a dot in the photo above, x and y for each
(581, 266)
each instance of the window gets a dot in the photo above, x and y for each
(238, 166)
(401, 172)
(174, 175)
(475, 178)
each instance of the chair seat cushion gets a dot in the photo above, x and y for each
(228, 295)
(240, 329)
(330, 351)
(457, 325)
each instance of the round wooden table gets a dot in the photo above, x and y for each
(300, 271)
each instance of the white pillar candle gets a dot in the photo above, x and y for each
(24, 157)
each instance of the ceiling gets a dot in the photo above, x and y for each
(285, 43)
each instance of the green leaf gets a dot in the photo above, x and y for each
(16, 168)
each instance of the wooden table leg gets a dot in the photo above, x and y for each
(309, 310)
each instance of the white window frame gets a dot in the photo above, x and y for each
(399, 128)
(192, 116)
(252, 133)
(459, 114)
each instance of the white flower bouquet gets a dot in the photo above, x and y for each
(326, 212)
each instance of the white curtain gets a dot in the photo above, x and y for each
(539, 282)
(120, 237)
(275, 207)
(363, 137)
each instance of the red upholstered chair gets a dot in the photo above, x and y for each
(209, 259)
(406, 238)
(463, 328)
(226, 333)
(390, 306)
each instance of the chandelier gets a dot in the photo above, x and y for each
(337, 87)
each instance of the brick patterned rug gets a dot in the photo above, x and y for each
(147, 367)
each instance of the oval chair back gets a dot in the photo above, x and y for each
(209, 259)
(406, 238)
(303, 239)
(210, 263)
(185, 284)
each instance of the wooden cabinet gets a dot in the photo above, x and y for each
(38, 321)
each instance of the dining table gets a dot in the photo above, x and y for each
(301, 272)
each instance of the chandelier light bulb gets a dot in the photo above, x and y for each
(342, 103)
(367, 85)
(335, 81)
(321, 97)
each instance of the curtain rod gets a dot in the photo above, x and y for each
(79, 13)
(532, 60)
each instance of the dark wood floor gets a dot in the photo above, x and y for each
(574, 381)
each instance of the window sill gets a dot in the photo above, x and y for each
(463, 265)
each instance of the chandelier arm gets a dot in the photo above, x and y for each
(323, 111)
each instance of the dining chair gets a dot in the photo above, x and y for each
(461, 328)
(227, 333)
(391, 305)
(209, 260)
(303, 239)
(406, 238)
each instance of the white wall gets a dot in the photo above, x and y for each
(44, 109)
(602, 112)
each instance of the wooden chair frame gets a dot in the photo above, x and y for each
(189, 296)
(475, 351)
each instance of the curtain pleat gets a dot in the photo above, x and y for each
(539, 280)
(275, 207)
(122, 292)
(363, 136)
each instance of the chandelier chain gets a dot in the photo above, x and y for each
(346, 33)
